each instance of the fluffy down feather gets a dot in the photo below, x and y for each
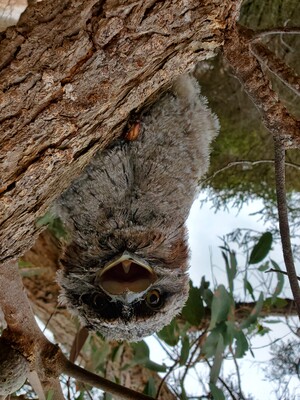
(134, 198)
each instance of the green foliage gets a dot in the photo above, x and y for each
(221, 306)
(241, 344)
(252, 318)
(226, 333)
(142, 356)
(280, 282)
(81, 396)
(206, 293)
(185, 350)
(150, 388)
(170, 333)
(100, 352)
(242, 136)
(261, 248)
(193, 311)
(230, 264)
(50, 395)
(54, 224)
(216, 392)
(218, 359)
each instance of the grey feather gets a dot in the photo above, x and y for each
(135, 197)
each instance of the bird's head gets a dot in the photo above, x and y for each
(128, 298)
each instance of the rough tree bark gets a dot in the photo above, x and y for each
(71, 73)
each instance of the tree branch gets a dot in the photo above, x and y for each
(280, 272)
(283, 220)
(247, 165)
(97, 381)
(258, 86)
(258, 34)
(278, 67)
(22, 330)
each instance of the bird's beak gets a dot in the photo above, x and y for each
(129, 273)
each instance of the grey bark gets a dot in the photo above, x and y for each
(71, 73)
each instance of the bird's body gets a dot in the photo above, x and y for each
(125, 268)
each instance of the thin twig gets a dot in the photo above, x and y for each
(190, 360)
(283, 220)
(164, 379)
(248, 164)
(280, 272)
(275, 31)
(237, 373)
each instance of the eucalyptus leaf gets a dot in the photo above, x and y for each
(170, 333)
(50, 395)
(150, 388)
(210, 344)
(261, 248)
(54, 224)
(221, 304)
(216, 392)
(193, 311)
(206, 293)
(141, 351)
(185, 350)
(252, 318)
(248, 287)
(24, 264)
(263, 267)
(241, 344)
(218, 359)
(231, 267)
(183, 395)
(229, 333)
(280, 282)
(81, 396)
(153, 366)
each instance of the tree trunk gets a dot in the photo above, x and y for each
(71, 74)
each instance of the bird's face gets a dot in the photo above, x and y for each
(127, 298)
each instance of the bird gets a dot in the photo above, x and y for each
(124, 269)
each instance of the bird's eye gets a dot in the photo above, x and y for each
(93, 299)
(154, 299)
(99, 300)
